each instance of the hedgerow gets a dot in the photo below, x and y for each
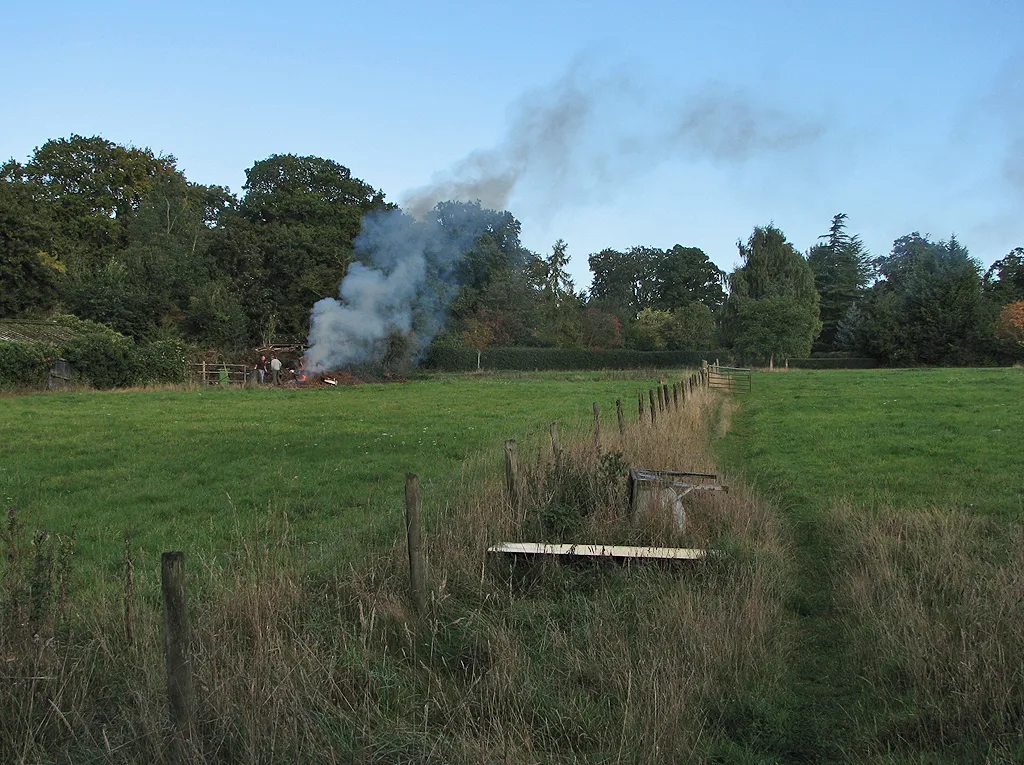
(453, 359)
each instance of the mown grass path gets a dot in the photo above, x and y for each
(900, 438)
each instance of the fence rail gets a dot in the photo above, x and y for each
(209, 373)
(730, 379)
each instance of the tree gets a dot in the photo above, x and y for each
(624, 282)
(842, 271)
(1010, 326)
(692, 328)
(301, 216)
(1004, 280)
(685, 275)
(651, 330)
(928, 306)
(601, 329)
(560, 308)
(93, 188)
(772, 308)
(478, 335)
(29, 271)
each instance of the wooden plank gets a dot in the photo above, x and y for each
(600, 551)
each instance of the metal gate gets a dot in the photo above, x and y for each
(731, 379)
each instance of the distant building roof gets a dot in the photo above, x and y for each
(29, 331)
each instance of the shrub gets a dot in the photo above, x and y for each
(24, 364)
(101, 356)
(161, 361)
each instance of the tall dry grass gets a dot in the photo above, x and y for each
(937, 600)
(545, 663)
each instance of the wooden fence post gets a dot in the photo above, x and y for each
(556, 450)
(512, 473)
(650, 395)
(129, 592)
(620, 416)
(414, 535)
(597, 425)
(640, 406)
(668, 401)
(675, 395)
(176, 650)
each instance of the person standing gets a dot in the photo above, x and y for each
(275, 368)
(261, 369)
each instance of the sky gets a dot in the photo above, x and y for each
(605, 124)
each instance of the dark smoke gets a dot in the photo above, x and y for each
(574, 138)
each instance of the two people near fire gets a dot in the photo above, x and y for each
(275, 369)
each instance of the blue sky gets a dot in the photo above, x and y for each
(605, 124)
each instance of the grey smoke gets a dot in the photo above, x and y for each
(568, 141)
(401, 284)
(586, 131)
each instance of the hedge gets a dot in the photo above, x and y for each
(833, 363)
(25, 364)
(98, 356)
(451, 359)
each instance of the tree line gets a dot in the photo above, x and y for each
(118, 235)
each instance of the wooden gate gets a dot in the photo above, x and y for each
(731, 379)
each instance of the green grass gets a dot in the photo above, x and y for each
(905, 438)
(871, 470)
(196, 469)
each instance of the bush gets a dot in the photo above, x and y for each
(25, 364)
(102, 357)
(450, 359)
(161, 361)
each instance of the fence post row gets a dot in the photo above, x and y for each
(414, 537)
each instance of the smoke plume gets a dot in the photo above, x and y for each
(400, 287)
(567, 142)
(586, 132)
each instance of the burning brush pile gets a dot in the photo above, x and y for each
(304, 378)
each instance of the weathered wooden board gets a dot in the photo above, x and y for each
(600, 551)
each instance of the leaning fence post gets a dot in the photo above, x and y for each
(620, 416)
(650, 395)
(512, 473)
(556, 450)
(176, 649)
(414, 536)
(597, 425)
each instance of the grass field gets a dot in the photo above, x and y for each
(868, 611)
(902, 437)
(196, 469)
(903, 492)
